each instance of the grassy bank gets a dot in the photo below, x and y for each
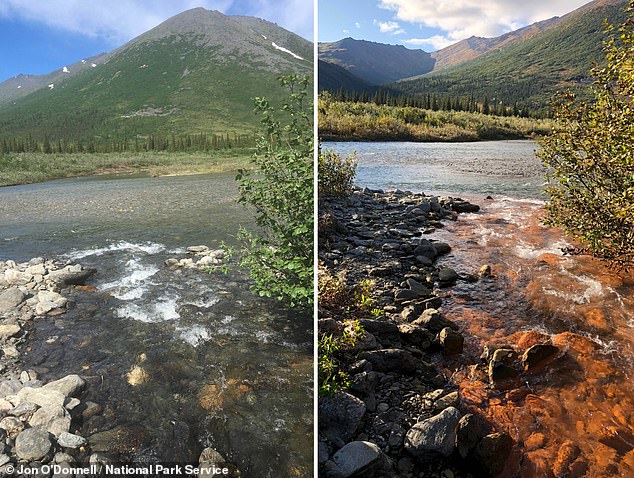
(24, 168)
(347, 121)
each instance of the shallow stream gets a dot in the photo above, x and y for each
(178, 359)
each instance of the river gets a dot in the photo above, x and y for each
(222, 367)
(575, 416)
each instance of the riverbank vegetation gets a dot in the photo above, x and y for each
(25, 168)
(280, 186)
(591, 156)
(347, 120)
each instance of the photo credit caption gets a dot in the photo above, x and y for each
(153, 470)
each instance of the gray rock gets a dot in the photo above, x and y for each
(405, 294)
(58, 426)
(493, 451)
(11, 299)
(33, 444)
(10, 387)
(502, 366)
(471, 429)
(69, 440)
(416, 335)
(12, 425)
(24, 410)
(15, 277)
(9, 330)
(450, 341)
(197, 249)
(356, 457)
(364, 383)
(433, 436)
(45, 415)
(388, 360)
(41, 396)
(426, 249)
(70, 385)
(419, 289)
(383, 329)
(450, 400)
(442, 247)
(447, 275)
(433, 320)
(339, 416)
(4, 459)
(61, 457)
(70, 276)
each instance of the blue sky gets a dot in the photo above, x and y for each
(431, 24)
(39, 36)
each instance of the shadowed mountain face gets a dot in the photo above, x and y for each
(333, 77)
(376, 63)
(196, 72)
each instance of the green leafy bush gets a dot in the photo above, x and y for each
(331, 347)
(590, 155)
(335, 174)
(280, 189)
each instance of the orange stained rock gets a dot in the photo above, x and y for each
(535, 441)
(579, 344)
(568, 452)
(549, 259)
(530, 338)
(211, 397)
(87, 288)
(597, 319)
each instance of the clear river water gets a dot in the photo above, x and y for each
(575, 416)
(220, 366)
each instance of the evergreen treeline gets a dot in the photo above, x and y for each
(439, 102)
(174, 143)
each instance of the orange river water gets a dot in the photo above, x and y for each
(574, 415)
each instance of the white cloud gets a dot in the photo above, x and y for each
(120, 21)
(389, 27)
(461, 19)
(436, 42)
(357, 24)
(347, 32)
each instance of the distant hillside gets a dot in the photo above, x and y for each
(474, 47)
(22, 85)
(531, 70)
(376, 63)
(333, 77)
(196, 72)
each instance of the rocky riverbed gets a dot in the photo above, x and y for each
(403, 415)
(41, 423)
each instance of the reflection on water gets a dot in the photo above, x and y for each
(486, 167)
(179, 359)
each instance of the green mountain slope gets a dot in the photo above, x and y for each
(376, 63)
(196, 72)
(529, 71)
